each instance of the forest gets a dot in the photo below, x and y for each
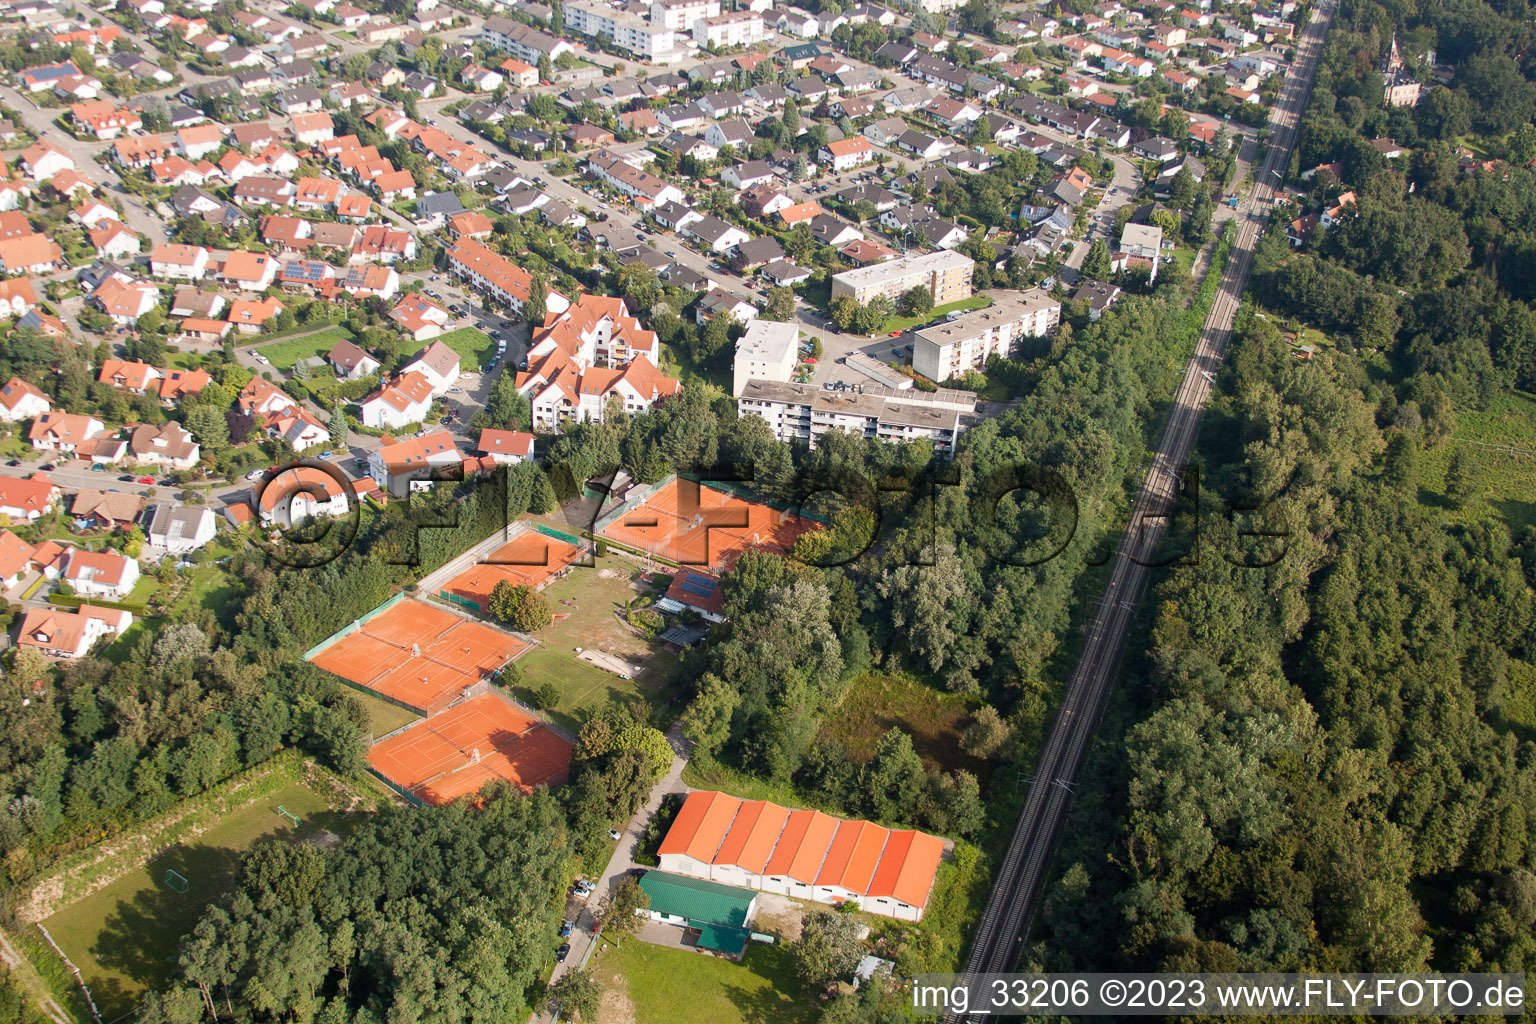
(1317, 765)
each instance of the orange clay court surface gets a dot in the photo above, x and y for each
(453, 654)
(694, 525)
(529, 559)
(434, 760)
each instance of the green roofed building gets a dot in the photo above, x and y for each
(718, 914)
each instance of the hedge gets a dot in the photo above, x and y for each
(75, 601)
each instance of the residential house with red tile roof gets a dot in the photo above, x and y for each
(420, 317)
(19, 401)
(404, 401)
(397, 466)
(135, 378)
(505, 447)
(28, 499)
(438, 363)
(65, 635)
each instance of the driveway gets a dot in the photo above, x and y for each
(583, 939)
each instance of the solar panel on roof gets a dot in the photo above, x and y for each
(702, 581)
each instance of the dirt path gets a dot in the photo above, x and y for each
(30, 981)
(616, 1007)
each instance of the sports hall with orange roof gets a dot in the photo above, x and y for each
(756, 844)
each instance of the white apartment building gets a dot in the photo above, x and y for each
(628, 32)
(768, 351)
(734, 28)
(967, 340)
(682, 15)
(946, 274)
(803, 412)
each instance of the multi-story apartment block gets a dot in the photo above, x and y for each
(966, 341)
(527, 44)
(497, 276)
(768, 351)
(733, 28)
(803, 412)
(630, 32)
(682, 15)
(946, 274)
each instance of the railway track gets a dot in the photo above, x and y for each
(1015, 895)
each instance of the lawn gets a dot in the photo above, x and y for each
(875, 704)
(676, 363)
(650, 984)
(1508, 485)
(124, 936)
(212, 587)
(906, 323)
(594, 622)
(284, 354)
(143, 588)
(474, 346)
(383, 717)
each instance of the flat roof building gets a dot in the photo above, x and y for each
(803, 412)
(967, 340)
(766, 352)
(946, 274)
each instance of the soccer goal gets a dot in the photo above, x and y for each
(176, 880)
(283, 812)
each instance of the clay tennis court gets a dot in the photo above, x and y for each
(418, 655)
(695, 525)
(529, 559)
(458, 751)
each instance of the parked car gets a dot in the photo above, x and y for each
(563, 952)
(255, 474)
(327, 454)
(127, 478)
(14, 462)
(566, 929)
(146, 479)
(614, 834)
(96, 467)
(894, 334)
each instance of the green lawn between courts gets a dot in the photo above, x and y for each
(124, 937)
(650, 984)
(383, 717)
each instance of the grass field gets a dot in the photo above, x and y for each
(383, 717)
(877, 703)
(212, 588)
(678, 364)
(1508, 485)
(903, 323)
(290, 350)
(474, 346)
(646, 984)
(594, 622)
(124, 937)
